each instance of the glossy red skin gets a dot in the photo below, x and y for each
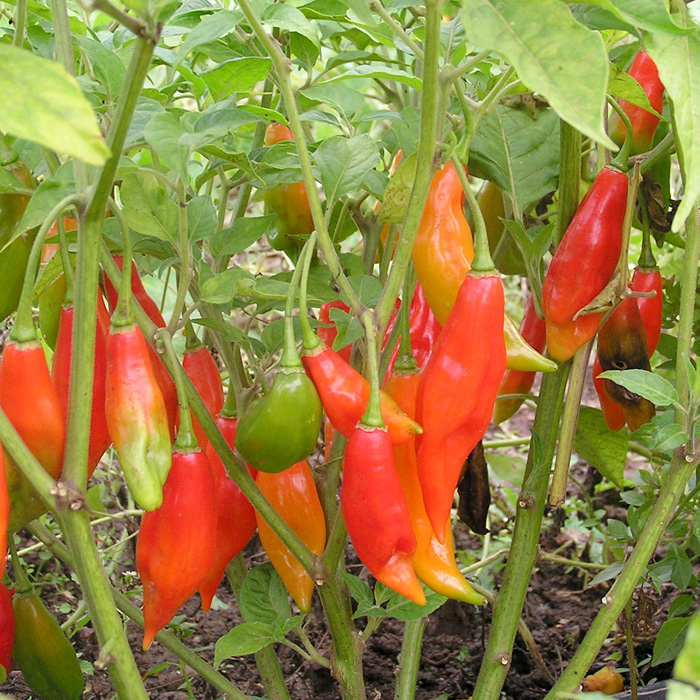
(60, 375)
(457, 392)
(344, 394)
(423, 328)
(534, 332)
(4, 517)
(376, 513)
(176, 542)
(583, 264)
(328, 334)
(644, 71)
(200, 367)
(650, 308)
(7, 627)
(235, 517)
(612, 413)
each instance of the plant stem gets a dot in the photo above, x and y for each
(569, 176)
(577, 378)
(20, 20)
(409, 659)
(631, 661)
(183, 250)
(373, 414)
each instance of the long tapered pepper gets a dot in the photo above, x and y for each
(235, 522)
(532, 329)
(648, 279)
(583, 264)
(433, 562)
(7, 628)
(458, 390)
(292, 493)
(474, 491)
(612, 412)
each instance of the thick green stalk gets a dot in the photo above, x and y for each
(373, 414)
(409, 659)
(569, 176)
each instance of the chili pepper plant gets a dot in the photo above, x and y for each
(308, 337)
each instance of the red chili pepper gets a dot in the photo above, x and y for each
(176, 543)
(60, 375)
(328, 334)
(4, 517)
(235, 522)
(458, 390)
(583, 264)
(200, 367)
(7, 626)
(649, 280)
(376, 513)
(533, 330)
(644, 124)
(612, 413)
(344, 394)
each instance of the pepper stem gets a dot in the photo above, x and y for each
(192, 342)
(65, 261)
(123, 314)
(405, 360)
(22, 583)
(646, 256)
(309, 339)
(482, 256)
(373, 414)
(229, 410)
(620, 160)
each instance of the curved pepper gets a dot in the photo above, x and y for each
(644, 71)
(292, 493)
(583, 264)
(434, 563)
(648, 279)
(328, 333)
(29, 400)
(136, 416)
(7, 627)
(612, 413)
(43, 653)
(474, 492)
(289, 202)
(60, 376)
(458, 390)
(344, 394)
(235, 523)
(176, 542)
(532, 329)
(200, 367)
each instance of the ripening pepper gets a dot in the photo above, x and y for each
(30, 403)
(289, 202)
(292, 493)
(328, 333)
(136, 416)
(60, 376)
(643, 70)
(7, 628)
(648, 279)
(583, 264)
(376, 513)
(434, 563)
(612, 412)
(235, 517)
(176, 542)
(457, 391)
(532, 329)
(474, 491)
(606, 681)
(42, 651)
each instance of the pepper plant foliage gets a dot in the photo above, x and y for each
(156, 112)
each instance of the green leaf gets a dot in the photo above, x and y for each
(359, 589)
(518, 152)
(201, 218)
(645, 384)
(9, 184)
(559, 58)
(678, 61)
(607, 573)
(533, 243)
(681, 691)
(510, 469)
(402, 608)
(367, 288)
(244, 232)
(349, 328)
(661, 434)
(669, 640)
(246, 638)
(624, 86)
(147, 208)
(651, 15)
(221, 288)
(236, 75)
(600, 447)
(263, 596)
(344, 163)
(108, 68)
(379, 73)
(398, 192)
(48, 107)
(290, 19)
(598, 18)
(164, 134)
(687, 666)
(212, 27)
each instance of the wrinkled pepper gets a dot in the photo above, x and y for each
(644, 71)
(457, 391)
(532, 329)
(583, 264)
(7, 629)
(434, 563)
(235, 517)
(292, 493)
(42, 651)
(289, 202)
(474, 492)
(176, 542)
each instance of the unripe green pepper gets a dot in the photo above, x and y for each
(50, 301)
(43, 653)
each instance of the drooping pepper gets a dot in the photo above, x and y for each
(200, 367)
(644, 71)
(176, 543)
(474, 492)
(60, 375)
(648, 279)
(235, 522)
(583, 264)
(328, 333)
(612, 412)
(7, 628)
(42, 651)
(532, 329)
(289, 202)
(292, 493)
(433, 563)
